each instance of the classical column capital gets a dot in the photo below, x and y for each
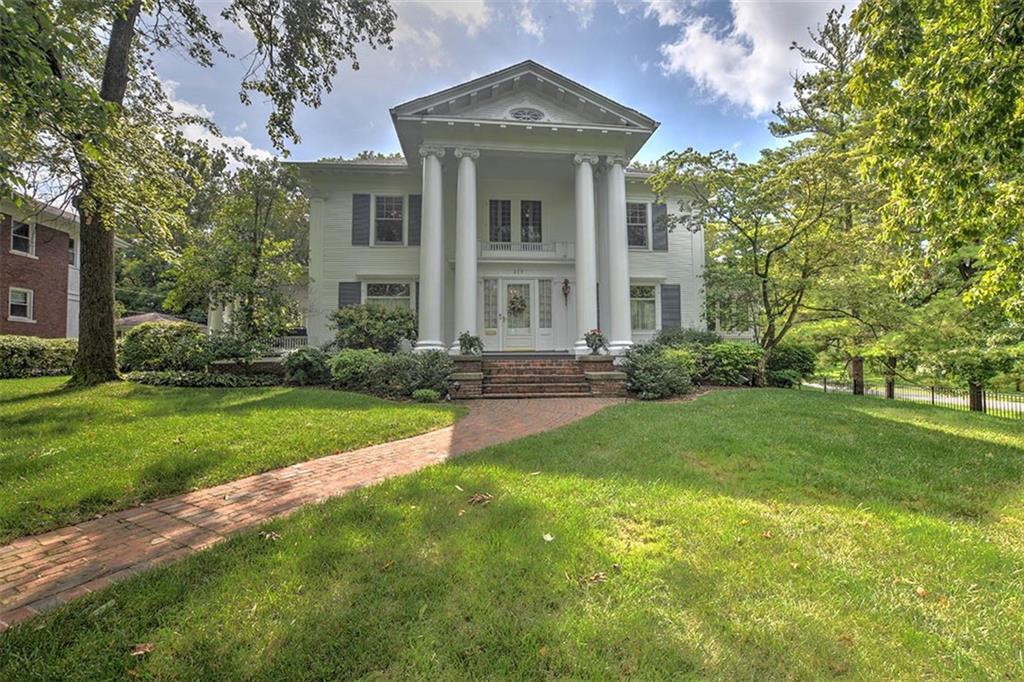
(431, 150)
(613, 160)
(467, 152)
(579, 159)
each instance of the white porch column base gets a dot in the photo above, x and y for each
(431, 253)
(465, 247)
(620, 326)
(586, 252)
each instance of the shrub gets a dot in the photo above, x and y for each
(687, 358)
(652, 374)
(678, 337)
(162, 346)
(28, 356)
(373, 326)
(788, 364)
(235, 347)
(202, 379)
(353, 368)
(426, 395)
(306, 366)
(470, 345)
(733, 363)
(435, 371)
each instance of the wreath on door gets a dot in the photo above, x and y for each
(516, 303)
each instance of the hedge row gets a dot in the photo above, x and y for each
(191, 379)
(28, 356)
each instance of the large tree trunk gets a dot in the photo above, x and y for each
(97, 350)
(857, 372)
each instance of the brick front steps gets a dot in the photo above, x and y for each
(536, 377)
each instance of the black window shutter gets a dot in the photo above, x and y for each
(349, 293)
(671, 313)
(360, 220)
(415, 211)
(659, 219)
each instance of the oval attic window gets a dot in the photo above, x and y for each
(526, 114)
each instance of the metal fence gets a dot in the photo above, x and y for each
(286, 343)
(1007, 405)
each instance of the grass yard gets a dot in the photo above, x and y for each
(67, 455)
(745, 535)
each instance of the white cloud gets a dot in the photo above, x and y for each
(200, 133)
(749, 63)
(584, 9)
(528, 23)
(241, 126)
(420, 45)
(667, 12)
(473, 14)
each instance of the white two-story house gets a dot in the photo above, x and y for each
(513, 217)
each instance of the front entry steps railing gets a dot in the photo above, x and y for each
(536, 377)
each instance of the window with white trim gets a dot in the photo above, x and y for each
(636, 224)
(490, 304)
(530, 222)
(643, 307)
(389, 294)
(388, 220)
(19, 304)
(23, 238)
(500, 220)
(72, 253)
(544, 304)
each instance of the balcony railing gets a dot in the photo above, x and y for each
(526, 250)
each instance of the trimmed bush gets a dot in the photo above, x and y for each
(733, 363)
(306, 367)
(426, 395)
(353, 368)
(164, 346)
(678, 338)
(188, 379)
(789, 364)
(687, 358)
(239, 349)
(28, 356)
(652, 374)
(373, 326)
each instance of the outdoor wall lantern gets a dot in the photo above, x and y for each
(565, 290)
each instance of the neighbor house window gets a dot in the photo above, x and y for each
(72, 254)
(530, 222)
(636, 225)
(544, 304)
(19, 304)
(388, 221)
(642, 307)
(23, 239)
(501, 220)
(391, 295)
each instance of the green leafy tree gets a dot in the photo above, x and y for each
(82, 106)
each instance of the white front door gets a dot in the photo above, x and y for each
(517, 316)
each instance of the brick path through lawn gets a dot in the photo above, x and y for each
(42, 572)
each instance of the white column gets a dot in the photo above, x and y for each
(620, 327)
(465, 246)
(586, 251)
(431, 252)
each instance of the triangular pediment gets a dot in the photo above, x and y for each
(525, 93)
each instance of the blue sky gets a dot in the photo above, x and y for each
(710, 70)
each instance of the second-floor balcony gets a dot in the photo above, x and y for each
(526, 251)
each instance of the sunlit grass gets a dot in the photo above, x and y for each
(745, 535)
(69, 455)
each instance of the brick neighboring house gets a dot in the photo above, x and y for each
(39, 278)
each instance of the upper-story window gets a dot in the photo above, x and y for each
(500, 220)
(527, 114)
(23, 239)
(388, 220)
(636, 224)
(531, 231)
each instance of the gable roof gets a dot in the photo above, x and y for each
(575, 103)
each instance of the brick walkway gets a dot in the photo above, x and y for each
(41, 572)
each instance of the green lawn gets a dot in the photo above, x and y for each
(69, 455)
(745, 535)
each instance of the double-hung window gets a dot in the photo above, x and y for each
(642, 307)
(530, 222)
(19, 304)
(391, 295)
(23, 239)
(636, 224)
(72, 253)
(500, 220)
(389, 213)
